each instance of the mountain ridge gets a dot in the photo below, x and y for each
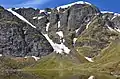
(86, 14)
(71, 37)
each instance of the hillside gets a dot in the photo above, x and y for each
(70, 38)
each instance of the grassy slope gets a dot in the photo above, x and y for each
(105, 62)
(95, 38)
(54, 66)
(110, 57)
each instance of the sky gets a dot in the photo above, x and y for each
(104, 5)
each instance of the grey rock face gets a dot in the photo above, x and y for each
(19, 39)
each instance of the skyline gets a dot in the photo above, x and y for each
(103, 5)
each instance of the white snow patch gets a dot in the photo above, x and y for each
(40, 17)
(117, 29)
(49, 12)
(58, 48)
(61, 48)
(41, 11)
(116, 14)
(68, 5)
(91, 77)
(26, 57)
(87, 3)
(113, 17)
(58, 24)
(111, 29)
(88, 24)
(47, 27)
(77, 30)
(89, 59)
(20, 17)
(1, 55)
(107, 12)
(60, 33)
(36, 58)
(34, 17)
(63, 40)
(77, 50)
(97, 14)
(49, 40)
(74, 40)
(66, 49)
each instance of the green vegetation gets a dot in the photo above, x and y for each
(15, 63)
(95, 38)
(57, 66)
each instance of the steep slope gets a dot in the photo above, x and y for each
(78, 30)
(96, 37)
(17, 38)
(70, 38)
(76, 25)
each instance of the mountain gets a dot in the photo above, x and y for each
(73, 34)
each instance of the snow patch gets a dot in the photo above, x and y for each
(34, 17)
(88, 3)
(58, 48)
(107, 12)
(91, 77)
(58, 24)
(1, 55)
(89, 59)
(41, 11)
(77, 30)
(26, 57)
(117, 29)
(113, 17)
(88, 24)
(49, 40)
(40, 17)
(49, 12)
(77, 50)
(20, 17)
(63, 40)
(65, 49)
(74, 40)
(60, 33)
(71, 4)
(111, 29)
(36, 58)
(47, 27)
(116, 14)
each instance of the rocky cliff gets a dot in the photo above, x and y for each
(77, 27)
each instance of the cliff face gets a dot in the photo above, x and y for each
(17, 38)
(79, 27)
